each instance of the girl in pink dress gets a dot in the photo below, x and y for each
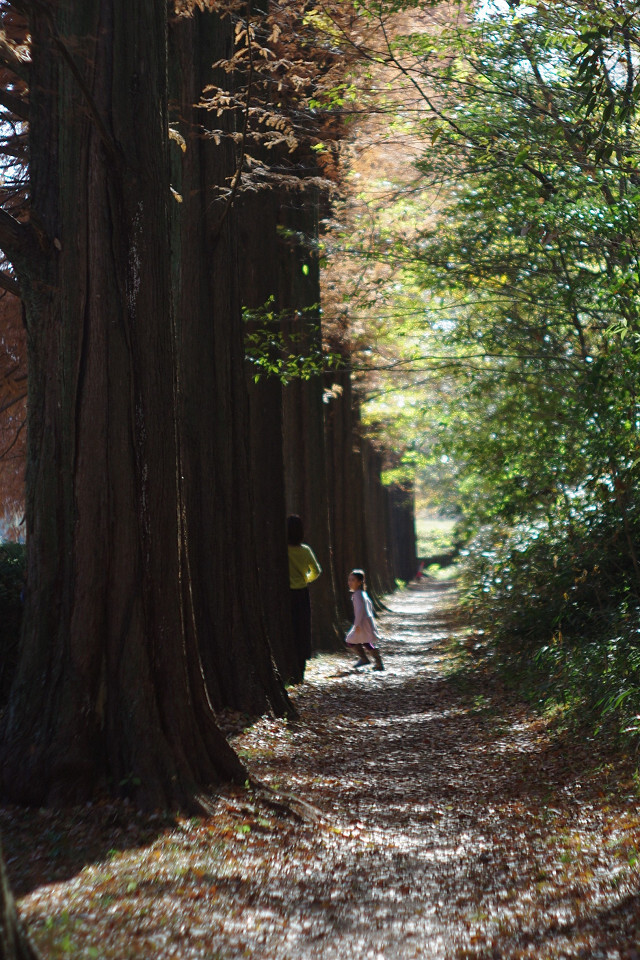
(364, 632)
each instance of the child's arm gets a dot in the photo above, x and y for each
(358, 616)
(359, 612)
(313, 568)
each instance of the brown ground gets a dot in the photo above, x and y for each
(453, 824)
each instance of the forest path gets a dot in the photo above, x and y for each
(461, 828)
(454, 826)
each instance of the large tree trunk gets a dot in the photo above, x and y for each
(224, 564)
(380, 573)
(109, 685)
(347, 519)
(304, 436)
(14, 943)
(259, 282)
(403, 531)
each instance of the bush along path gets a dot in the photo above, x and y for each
(437, 820)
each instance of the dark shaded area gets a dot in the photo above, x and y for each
(12, 583)
(47, 846)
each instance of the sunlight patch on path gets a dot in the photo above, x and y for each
(453, 828)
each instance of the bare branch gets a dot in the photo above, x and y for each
(16, 436)
(10, 58)
(15, 105)
(235, 184)
(8, 283)
(21, 245)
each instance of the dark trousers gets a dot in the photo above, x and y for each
(301, 622)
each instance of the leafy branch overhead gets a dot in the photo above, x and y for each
(276, 348)
(499, 285)
(278, 110)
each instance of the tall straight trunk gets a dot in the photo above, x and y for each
(109, 687)
(259, 282)
(403, 532)
(224, 561)
(304, 436)
(380, 573)
(372, 526)
(347, 519)
(14, 942)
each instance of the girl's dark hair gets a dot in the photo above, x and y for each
(295, 530)
(360, 575)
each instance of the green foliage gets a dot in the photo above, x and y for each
(286, 344)
(12, 580)
(560, 605)
(521, 357)
(434, 534)
(536, 255)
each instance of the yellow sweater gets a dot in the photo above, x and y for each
(303, 566)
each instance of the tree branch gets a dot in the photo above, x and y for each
(15, 105)
(10, 58)
(16, 436)
(235, 184)
(19, 242)
(9, 284)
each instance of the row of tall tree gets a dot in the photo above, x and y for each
(163, 181)
(166, 184)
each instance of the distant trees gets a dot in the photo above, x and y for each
(522, 367)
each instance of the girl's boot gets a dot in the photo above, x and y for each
(364, 659)
(378, 659)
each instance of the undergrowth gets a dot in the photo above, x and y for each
(557, 607)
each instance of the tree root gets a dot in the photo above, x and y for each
(287, 804)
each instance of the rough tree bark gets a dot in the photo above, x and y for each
(347, 520)
(304, 435)
(224, 561)
(403, 532)
(259, 283)
(109, 685)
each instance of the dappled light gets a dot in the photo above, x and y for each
(318, 316)
(446, 821)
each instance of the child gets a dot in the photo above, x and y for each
(364, 631)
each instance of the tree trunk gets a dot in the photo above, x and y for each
(259, 282)
(109, 686)
(380, 573)
(347, 520)
(372, 526)
(403, 532)
(304, 436)
(226, 582)
(14, 943)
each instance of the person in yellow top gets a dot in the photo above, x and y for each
(303, 570)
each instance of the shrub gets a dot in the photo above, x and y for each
(560, 603)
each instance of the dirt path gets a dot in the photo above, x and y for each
(453, 827)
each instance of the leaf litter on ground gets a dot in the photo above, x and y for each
(452, 823)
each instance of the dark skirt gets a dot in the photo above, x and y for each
(301, 622)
